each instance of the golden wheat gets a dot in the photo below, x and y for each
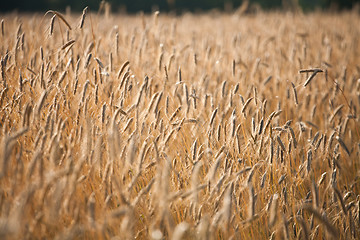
(165, 129)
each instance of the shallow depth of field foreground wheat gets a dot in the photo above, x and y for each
(210, 126)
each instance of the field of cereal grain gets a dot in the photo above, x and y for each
(210, 126)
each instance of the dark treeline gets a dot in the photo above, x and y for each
(178, 6)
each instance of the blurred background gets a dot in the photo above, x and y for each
(176, 6)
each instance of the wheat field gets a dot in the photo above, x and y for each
(208, 126)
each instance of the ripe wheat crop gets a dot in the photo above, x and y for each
(210, 126)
